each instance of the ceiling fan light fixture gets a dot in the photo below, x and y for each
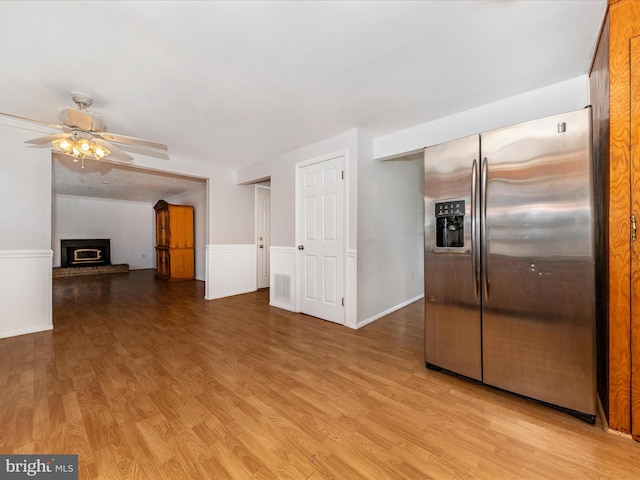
(79, 148)
(84, 146)
(100, 152)
(64, 145)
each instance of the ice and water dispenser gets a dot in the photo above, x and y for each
(450, 224)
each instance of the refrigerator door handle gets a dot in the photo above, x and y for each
(484, 261)
(474, 238)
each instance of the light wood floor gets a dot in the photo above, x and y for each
(147, 380)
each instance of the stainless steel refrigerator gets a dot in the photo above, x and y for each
(510, 260)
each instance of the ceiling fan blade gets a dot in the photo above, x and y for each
(132, 141)
(116, 153)
(48, 138)
(39, 122)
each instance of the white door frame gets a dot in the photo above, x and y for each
(255, 230)
(298, 169)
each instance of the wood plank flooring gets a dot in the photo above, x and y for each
(147, 380)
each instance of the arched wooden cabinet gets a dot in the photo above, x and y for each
(174, 241)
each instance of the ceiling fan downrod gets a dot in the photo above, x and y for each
(81, 100)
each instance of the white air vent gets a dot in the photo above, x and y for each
(282, 287)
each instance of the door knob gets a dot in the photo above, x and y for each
(300, 247)
(261, 246)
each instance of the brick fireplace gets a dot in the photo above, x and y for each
(86, 257)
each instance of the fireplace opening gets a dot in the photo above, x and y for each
(85, 252)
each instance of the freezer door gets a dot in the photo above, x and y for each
(538, 261)
(452, 300)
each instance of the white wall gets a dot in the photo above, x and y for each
(282, 170)
(282, 174)
(384, 267)
(129, 225)
(231, 270)
(198, 200)
(25, 190)
(557, 98)
(25, 233)
(390, 237)
(233, 206)
(231, 249)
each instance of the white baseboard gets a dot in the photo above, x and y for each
(373, 318)
(282, 305)
(25, 331)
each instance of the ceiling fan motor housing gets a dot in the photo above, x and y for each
(82, 119)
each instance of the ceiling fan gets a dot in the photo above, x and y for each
(85, 134)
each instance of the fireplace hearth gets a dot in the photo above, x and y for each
(85, 252)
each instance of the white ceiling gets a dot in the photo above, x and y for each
(118, 182)
(234, 83)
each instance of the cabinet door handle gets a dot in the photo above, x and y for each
(300, 247)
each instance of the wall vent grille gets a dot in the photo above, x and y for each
(282, 289)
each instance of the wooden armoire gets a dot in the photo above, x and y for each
(174, 241)
(615, 96)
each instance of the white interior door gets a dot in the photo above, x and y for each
(321, 240)
(263, 234)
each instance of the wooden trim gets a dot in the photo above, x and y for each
(634, 52)
(619, 209)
